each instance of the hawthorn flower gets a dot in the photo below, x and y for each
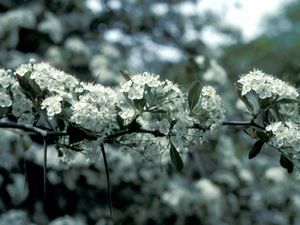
(209, 110)
(5, 100)
(146, 145)
(136, 86)
(23, 69)
(5, 79)
(95, 109)
(163, 126)
(127, 114)
(47, 77)
(285, 135)
(266, 86)
(53, 105)
(136, 91)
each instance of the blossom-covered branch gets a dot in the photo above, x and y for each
(146, 114)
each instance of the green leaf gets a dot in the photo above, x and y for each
(243, 98)
(176, 158)
(125, 74)
(253, 101)
(251, 132)
(286, 163)
(262, 136)
(255, 150)
(194, 94)
(120, 121)
(139, 104)
(287, 101)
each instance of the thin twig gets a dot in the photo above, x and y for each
(45, 167)
(107, 178)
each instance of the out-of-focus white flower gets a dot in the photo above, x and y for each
(16, 217)
(209, 191)
(52, 26)
(17, 190)
(276, 174)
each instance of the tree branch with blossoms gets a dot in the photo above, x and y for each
(145, 115)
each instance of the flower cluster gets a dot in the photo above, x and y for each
(95, 109)
(153, 117)
(266, 86)
(165, 109)
(285, 135)
(278, 104)
(209, 110)
(158, 95)
(5, 82)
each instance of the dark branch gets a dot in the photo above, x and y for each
(242, 123)
(26, 127)
(156, 133)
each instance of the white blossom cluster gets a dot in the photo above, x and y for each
(209, 110)
(159, 109)
(281, 102)
(91, 106)
(95, 109)
(11, 97)
(158, 95)
(166, 98)
(5, 82)
(285, 135)
(207, 116)
(148, 147)
(266, 86)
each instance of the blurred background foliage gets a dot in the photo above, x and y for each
(218, 185)
(276, 50)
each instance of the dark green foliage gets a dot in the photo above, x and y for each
(194, 94)
(255, 150)
(176, 158)
(286, 163)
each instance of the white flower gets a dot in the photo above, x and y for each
(266, 86)
(136, 86)
(96, 109)
(136, 91)
(127, 114)
(209, 190)
(5, 79)
(5, 100)
(209, 110)
(53, 105)
(163, 126)
(23, 69)
(285, 135)
(276, 174)
(208, 91)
